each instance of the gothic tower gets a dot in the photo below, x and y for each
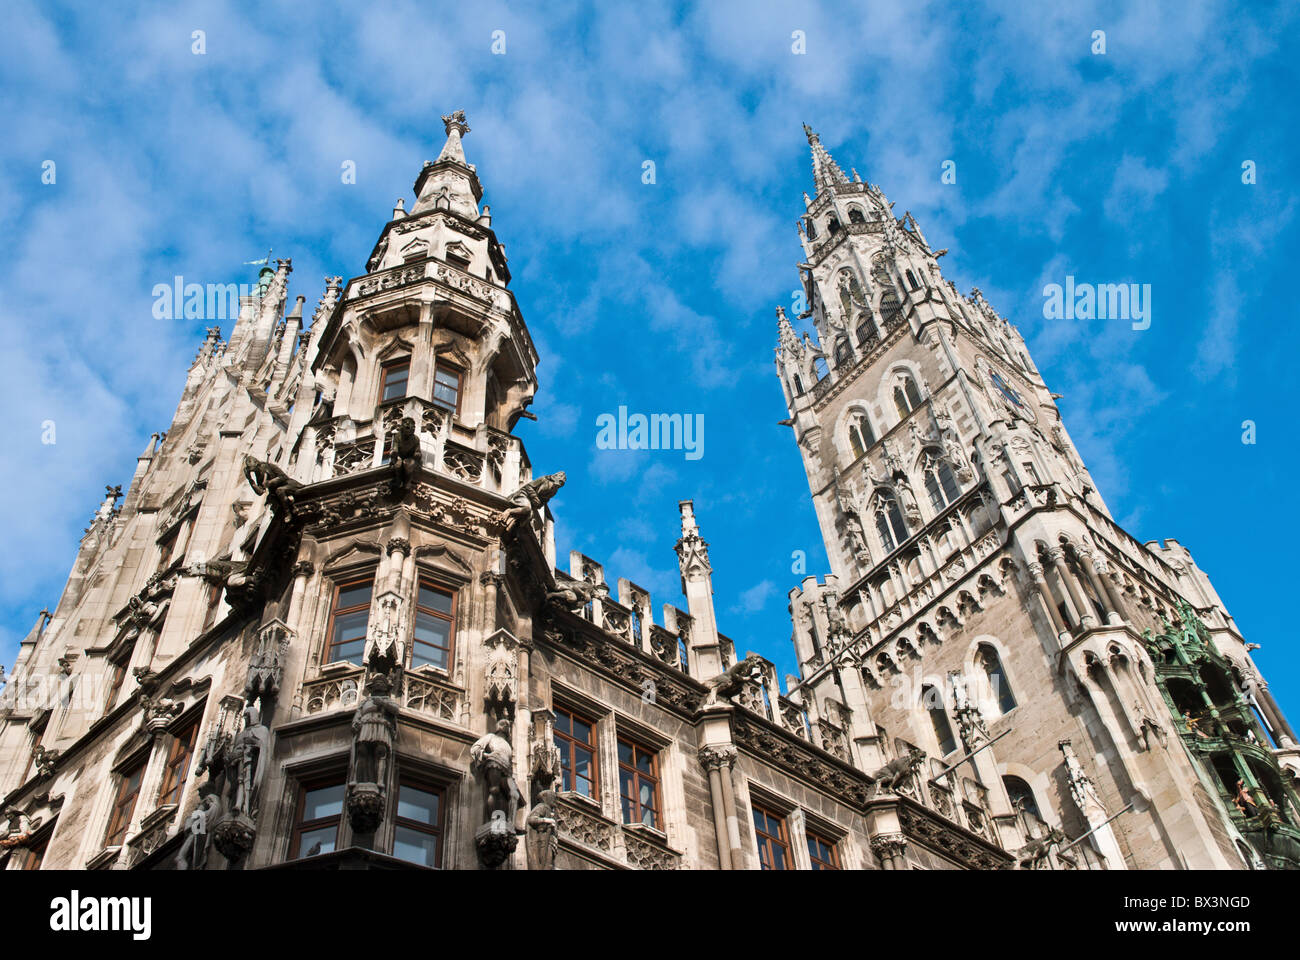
(982, 602)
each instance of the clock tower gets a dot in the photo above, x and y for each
(982, 603)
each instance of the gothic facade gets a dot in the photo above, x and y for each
(325, 626)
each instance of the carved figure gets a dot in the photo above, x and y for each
(267, 478)
(247, 758)
(1036, 850)
(732, 680)
(406, 456)
(373, 729)
(898, 772)
(532, 497)
(576, 594)
(491, 757)
(193, 854)
(542, 840)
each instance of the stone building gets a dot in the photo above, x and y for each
(325, 627)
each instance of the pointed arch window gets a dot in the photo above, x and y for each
(811, 226)
(991, 664)
(932, 700)
(843, 352)
(866, 331)
(860, 436)
(906, 397)
(889, 523)
(833, 226)
(798, 386)
(855, 216)
(940, 484)
(912, 283)
(1021, 796)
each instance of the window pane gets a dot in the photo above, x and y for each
(348, 626)
(625, 754)
(582, 765)
(432, 599)
(352, 651)
(419, 805)
(323, 802)
(353, 596)
(315, 842)
(645, 761)
(778, 857)
(422, 654)
(429, 629)
(562, 723)
(415, 846)
(581, 730)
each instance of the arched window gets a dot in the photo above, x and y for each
(843, 351)
(932, 700)
(992, 665)
(822, 369)
(1021, 796)
(911, 280)
(798, 386)
(855, 216)
(906, 397)
(889, 523)
(833, 226)
(860, 437)
(812, 229)
(940, 484)
(866, 331)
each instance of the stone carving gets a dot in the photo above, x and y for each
(267, 478)
(969, 720)
(542, 843)
(501, 675)
(1032, 854)
(532, 497)
(159, 713)
(574, 595)
(385, 649)
(193, 854)
(244, 766)
(718, 757)
(732, 680)
(491, 759)
(887, 846)
(266, 668)
(374, 729)
(405, 458)
(44, 760)
(897, 774)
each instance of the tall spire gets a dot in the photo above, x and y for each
(450, 182)
(825, 170)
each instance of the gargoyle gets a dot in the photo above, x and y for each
(897, 772)
(1036, 850)
(732, 680)
(576, 594)
(532, 497)
(267, 478)
(405, 457)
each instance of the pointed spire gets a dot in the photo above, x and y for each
(786, 336)
(450, 182)
(825, 170)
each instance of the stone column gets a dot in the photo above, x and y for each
(717, 761)
(1087, 619)
(1045, 594)
(697, 585)
(891, 848)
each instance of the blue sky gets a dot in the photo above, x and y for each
(1119, 167)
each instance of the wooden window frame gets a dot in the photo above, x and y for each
(180, 754)
(115, 684)
(425, 581)
(300, 826)
(593, 746)
(388, 368)
(437, 831)
(167, 548)
(214, 604)
(653, 778)
(335, 610)
(123, 808)
(816, 836)
(444, 367)
(782, 839)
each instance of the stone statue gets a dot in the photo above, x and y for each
(532, 497)
(575, 594)
(193, 854)
(267, 478)
(373, 730)
(732, 680)
(542, 841)
(491, 757)
(1036, 850)
(248, 758)
(898, 772)
(406, 457)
